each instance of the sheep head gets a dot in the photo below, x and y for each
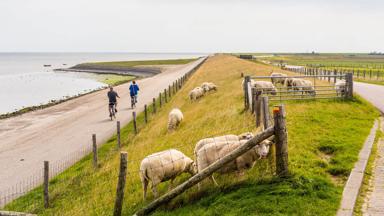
(262, 148)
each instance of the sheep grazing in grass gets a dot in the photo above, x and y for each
(305, 86)
(265, 87)
(196, 93)
(212, 152)
(164, 166)
(289, 82)
(174, 119)
(278, 78)
(340, 87)
(208, 86)
(219, 139)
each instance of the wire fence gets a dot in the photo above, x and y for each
(44, 189)
(307, 85)
(35, 180)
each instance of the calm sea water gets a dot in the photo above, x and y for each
(25, 82)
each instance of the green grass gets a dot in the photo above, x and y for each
(129, 64)
(324, 140)
(112, 79)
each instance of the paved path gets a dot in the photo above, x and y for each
(58, 131)
(372, 93)
(374, 203)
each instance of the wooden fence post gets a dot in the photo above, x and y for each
(265, 106)
(257, 108)
(154, 105)
(118, 134)
(334, 73)
(253, 101)
(46, 183)
(121, 184)
(246, 96)
(281, 139)
(165, 96)
(349, 85)
(145, 114)
(169, 91)
(134, 122)
(160, 100)
(94, 150)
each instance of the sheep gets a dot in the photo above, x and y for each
(289, 82)
(174, 119)
(225, 138)
(208, 86)
(163, 166)
(278, 78)
(340, 86)
(265, 86)
(305, 86)
(212, 152)
(196, 93)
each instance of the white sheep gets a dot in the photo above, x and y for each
(174, 119)
(225, 138)
(340, 87)
(212, 152)
(278, 78)
(265, 86)
(208, 86)
(305, 86)
(164, 166)
(196, 93)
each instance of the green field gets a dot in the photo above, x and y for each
(324, 137)
(366, 68)
(129, 64)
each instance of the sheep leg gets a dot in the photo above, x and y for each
(171, 184)
(214, 181)
(145, 186)
(154, 190)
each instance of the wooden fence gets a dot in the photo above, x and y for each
(358, 73)
(278, 130)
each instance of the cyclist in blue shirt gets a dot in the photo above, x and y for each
(133, 91)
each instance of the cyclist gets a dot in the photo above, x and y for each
(112, 98)
(133, 91)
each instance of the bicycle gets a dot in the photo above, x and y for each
(133, 101)
(112, 109)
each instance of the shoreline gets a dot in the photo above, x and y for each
(46, 105)
(137, 72)
(54, 102)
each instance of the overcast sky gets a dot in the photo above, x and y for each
(192, 25)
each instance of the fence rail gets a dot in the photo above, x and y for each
(323, 87)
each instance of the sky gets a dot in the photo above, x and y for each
(191, 25)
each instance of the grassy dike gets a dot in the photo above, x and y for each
(324, 140)
(129, 64)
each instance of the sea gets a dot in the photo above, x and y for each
(28, 79)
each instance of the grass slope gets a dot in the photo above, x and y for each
(324, 140)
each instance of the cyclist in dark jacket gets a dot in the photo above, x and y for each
(112, 97)
(133, 90)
